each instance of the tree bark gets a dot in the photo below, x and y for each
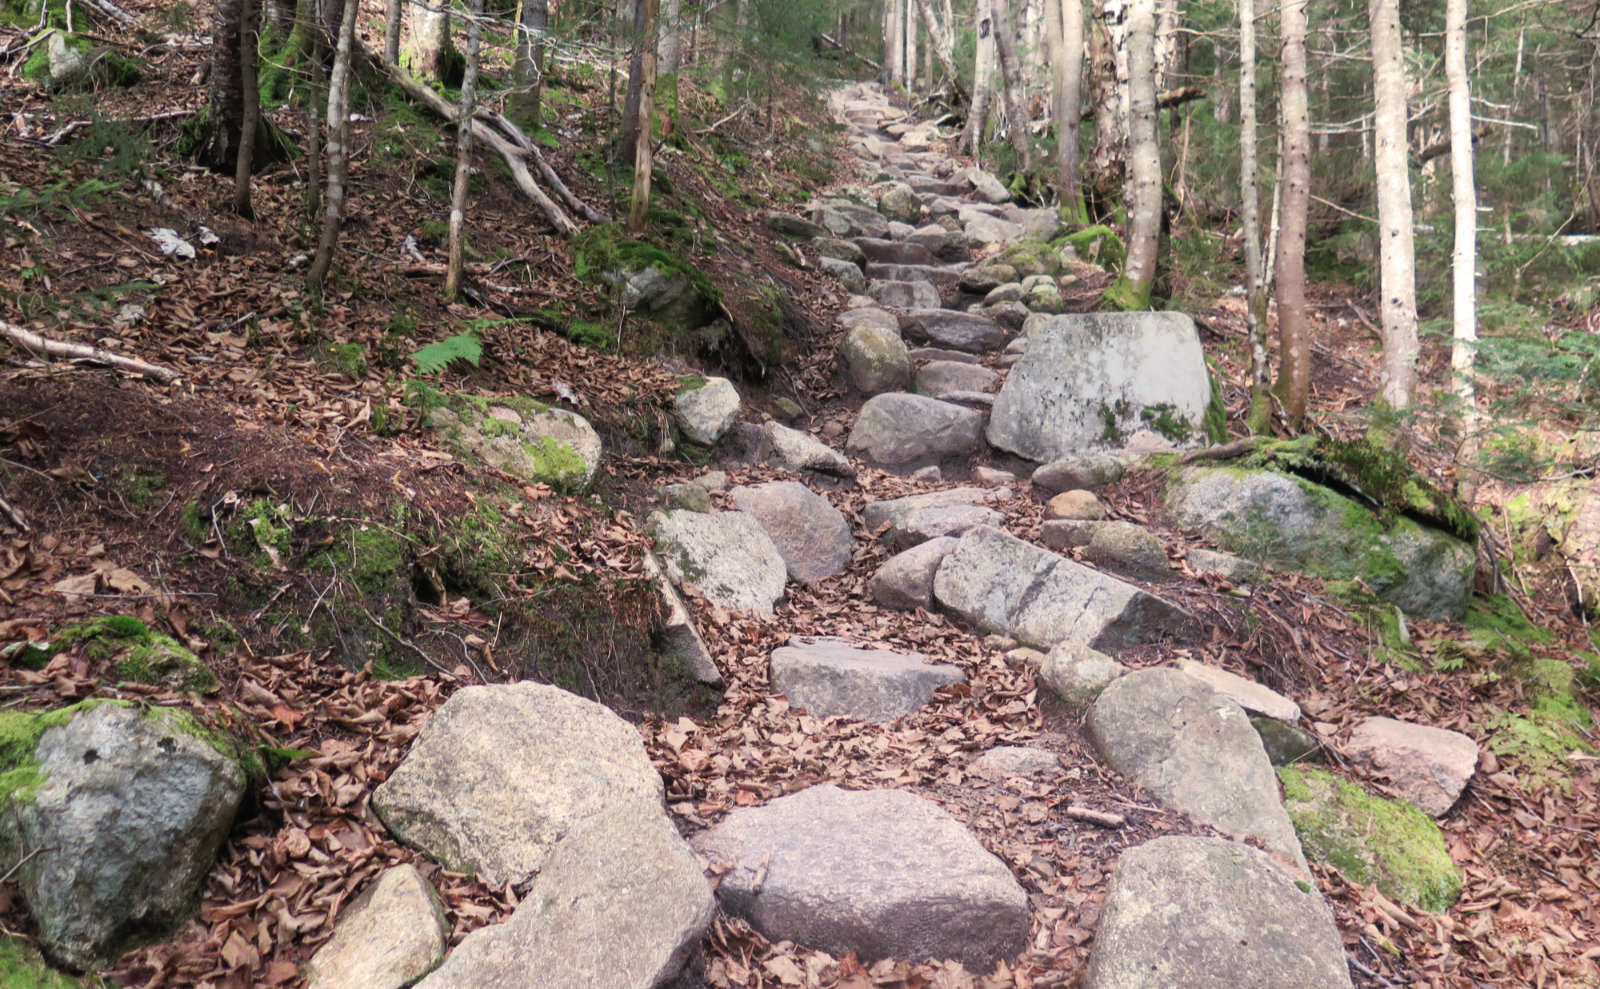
(458, 195)
(1109, 69)
(1131, 292)
(429, 53)
(1397, 254)
(223, 119)
(391, 30)
(671, 42)
(643, 41)
(910, 37)
(1464, 261)
(1294, 345)
(338, 128)
(1260, 416)
(640, 207)
(1011, 79)
(1064, 35)
(524, 104)
(942, 45)
(982, 76)
(251, 110)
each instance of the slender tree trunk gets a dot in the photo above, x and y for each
(640, 207)
(1133, 287)
(1397, 256)
(338, 149)
(942, 44)
(458, 195)
(223, 120)
(429, 54)
(1109, 56)
(1464, 262)
(909, 15)
(1011, 78)
(643, 42)
(1064, 37)
(314, 112)
(391, 31)
(982, 79)
(524, 104)
(671, 39)
(252, 109)
(1169, 18)
(1260, 416)
(1294, 345)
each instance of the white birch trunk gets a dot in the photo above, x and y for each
(1250, 203)
(1397, 252)
(982, 78)
(1011, 78)
(338, 128)
(1464, 261)
(671, 39)
(456, 261)
(1132, 289)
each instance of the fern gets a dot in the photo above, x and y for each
(438, 356)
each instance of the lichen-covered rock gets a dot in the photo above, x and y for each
(1130, 550)
(1371, 840)
(1222, 564)
(1090, 472)
(905, 295)
(1030, 260)
(811, 535)
(1078, 674)
(876, 359)
(543, 444)
(790, 225)
(391, 936)
(1207, 913)
(793, 450)
(110, 817)
(1086, 381)
(1075, 505)
(727, 555)
(706, 409)
(848, 273)
(839, 250)
(500, 774)
(900, 204)
(937, 379)
(1291, 522)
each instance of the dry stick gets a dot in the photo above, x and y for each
(66, 130)
(77, 351)
(482, 132)
(14, 515)
(1101, 818)
(522, 141)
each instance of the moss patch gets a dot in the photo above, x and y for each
(1537, 745)
(1098, 244)
(21, 967)
(142, 656)
(556, 463)
(1371, 840)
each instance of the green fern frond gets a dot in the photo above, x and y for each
(438, 356)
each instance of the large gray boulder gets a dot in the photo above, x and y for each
(896, 511)
(812, 536)
(882, 873)
(1086, 381)
(900, 203)
(905, 581)
(859, 221)
(1002, 584)
(391, 936)
(620, 904)
(706, 409)
(502, 773)
(727, 555)
(795, 451)
(832, 678)
(1196, 751)
(111, 823)
(1288, 521)
(1207, 913)
(898, 428)
(876, 358)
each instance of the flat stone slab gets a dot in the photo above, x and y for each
(943, 354)
(1248, 694)
(1427, 766)
(957, 330)
(870, 316)
(1089, 472)
(1196, 750)
(795, 451)
(898, 428)
(1207, 913)
(727, 555)
(883, 873)
(895, 510)
(1002, 584)
(812, 536)
(922, 524)
(895, 251)
(832, 678)
(905, 295)
(939, 378)
(939, 275)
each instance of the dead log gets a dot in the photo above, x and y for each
(527, 144)
(79, 352)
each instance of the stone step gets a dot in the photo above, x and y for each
(941, 354)
(887, 251)
(834, 678)
(937, 187)
(941, 378)
(956, 330)
(905, 295)
(939, 275)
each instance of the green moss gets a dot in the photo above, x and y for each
(1164, 418)
(22, 967)
(1369, 839)
(493, 426)
(348, 359)
(1125, 295)
(1391, 639)
(194, 523)
(1098, 244)
(1216, 418)
(605, 248)
(164, 662)
(224, 740)
(264, 525)
(688, 383)
(143, 488)
(556, 463)
(367, 555)
(20, 775)
(1500, 616)
(1537, 744)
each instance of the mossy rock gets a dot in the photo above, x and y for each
(68, 63)
(1098, 244)
(1371, 840)
(1030, 258)
(540, 443)
(654, 282)
(141, 655)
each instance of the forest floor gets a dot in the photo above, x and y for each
(132, 498)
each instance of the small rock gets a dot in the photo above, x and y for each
(876, 359)
(905, 295)
(842, 250)
(1227, 565)
(1010, 316)
(905, 581)
(726, 555)
(1089, 473)
(1427, 766)
(1023, 656)
(786, 409)
(897, 428)
(990, 475)
(705, 411)
(1017, 760)
(900, 231)
(1009, 292)
(832, 678)
(1077, 674)
(689, 497)
(1082, 505)
(391, 936)
(790, 225)
(811, 535)
(1001, 642)
(987, 187)
(794, 451)
(900, 204)
(880, 319)
(937, 378)
(679, 638)
(1248, 694)
(986, 278)
(943, 354)
(928, 475)
(847, 272)
(1288, 745)
(937, 521)
(895, 252)
(714, 480)
(1060, 534)
(1130, 550)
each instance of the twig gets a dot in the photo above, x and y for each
(77, 351)
(527, 144)
(1101, 818)
(61, 133)
(20, 863)
(443, 670)
(707, 130)
(14, 515)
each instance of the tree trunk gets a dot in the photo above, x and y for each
(338, 128)
(643, 41)
(670, 52)
(942, 44)
(1397, 256)
(1011, 79)
(523, 104)
(1294, 345)
(1168, 20)
(1260, 416)
(456, 262)
(251, 110)
(1464, 261)
(391, 30)
(222, 121)
(1109, 57)
(982, 78)
(429, 53)
(1133, 287)
(909, 12)
(640, 207)
(1064, 36)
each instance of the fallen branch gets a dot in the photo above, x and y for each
(707, 130)
(79, 352)
(482, 132)
(1169, 98)
(15, 517)
(851, 51)
(527, 145)
(62, 133)
(1222, 451)
(1100, 818)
